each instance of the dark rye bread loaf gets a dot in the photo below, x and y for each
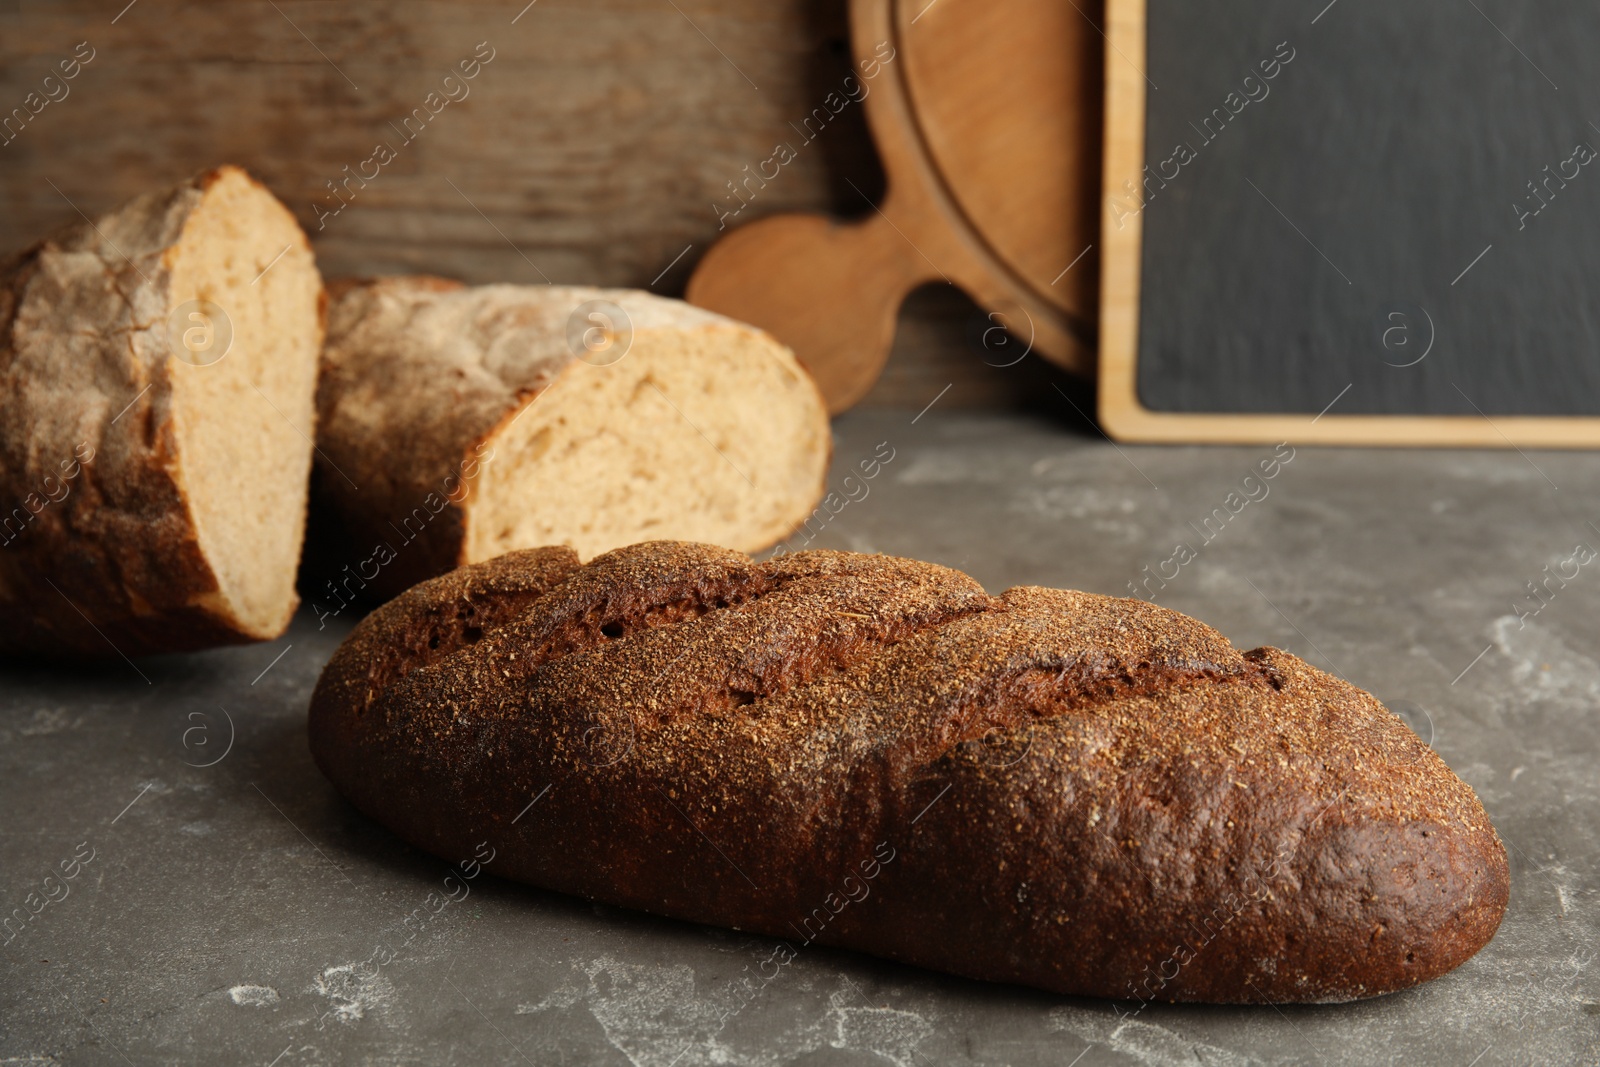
(1091, 795)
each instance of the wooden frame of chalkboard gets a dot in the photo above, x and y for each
(1122, 413)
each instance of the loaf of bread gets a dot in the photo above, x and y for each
(458, 423)
(1090, 795)
(157, 373)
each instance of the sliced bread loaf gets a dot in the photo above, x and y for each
(157, 375)
(456, 424)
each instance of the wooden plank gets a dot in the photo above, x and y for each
(597, 143)
(592, 147)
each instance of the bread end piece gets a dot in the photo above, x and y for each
(158, 368)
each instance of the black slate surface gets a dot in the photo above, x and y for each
(1410, 203)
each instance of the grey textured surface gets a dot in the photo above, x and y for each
(241, 913)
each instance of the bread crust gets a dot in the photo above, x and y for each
(1091, 795)
(405, 416)
(114, 564)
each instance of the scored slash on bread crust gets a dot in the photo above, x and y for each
(1092, 795)
(154, 494)
(457, 423)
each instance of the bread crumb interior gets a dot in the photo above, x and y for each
(244, 423)
(697, 435)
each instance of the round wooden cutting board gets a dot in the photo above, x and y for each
(988, 120)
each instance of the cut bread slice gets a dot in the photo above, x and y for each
(456, 424)
(157, 382)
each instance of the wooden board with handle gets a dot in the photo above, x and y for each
(987, 117)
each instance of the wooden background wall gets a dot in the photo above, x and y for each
(592, 148)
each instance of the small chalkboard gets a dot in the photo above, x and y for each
(1352, 222)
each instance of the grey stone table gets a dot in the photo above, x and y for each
(226, 907)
